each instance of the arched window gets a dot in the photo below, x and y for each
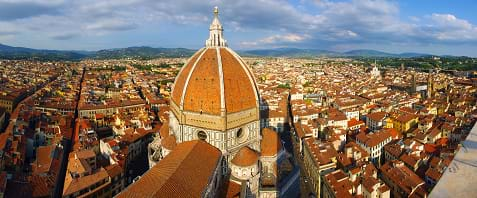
(202, 135)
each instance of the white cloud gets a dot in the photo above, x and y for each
(41, 2)
(447, 27)
(324, 24)
(450, 21)
(347, 34)
(64, 35)
(284, 38)
(8, 29)
(276, 39)
(111, 25)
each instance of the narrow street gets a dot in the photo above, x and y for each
(67, 144)
(305, 187)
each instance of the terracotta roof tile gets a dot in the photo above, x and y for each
(233, 190)
(84, 182)
(169, 142)
(164, 131)
(270, 143)
(339, 183)
(406, 117)
(203, 88)
(401, 176)
(44, 157)
(378, 116)
(353, 122)
(182, 77)
(114, 170)
(433, 174)
(185, 172)
(371, 140)
(239, 92)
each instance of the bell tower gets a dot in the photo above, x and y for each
(430, 85)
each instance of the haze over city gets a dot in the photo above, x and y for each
(434, 27)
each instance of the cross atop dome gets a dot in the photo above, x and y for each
(216, 35)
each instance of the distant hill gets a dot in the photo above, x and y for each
(8, 52)
(289, 52)
(413, 55)
(368, 53)
(294, 52)
(142, 52)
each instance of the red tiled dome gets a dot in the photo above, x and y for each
(215, 78)
(245, 157)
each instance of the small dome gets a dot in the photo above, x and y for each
(270, 143)
(245, 157)
(169, 142)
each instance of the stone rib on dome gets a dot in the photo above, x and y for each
(203, 89)
(181, 79)
(239, 93)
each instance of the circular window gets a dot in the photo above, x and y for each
(202, 135)
(239, 133)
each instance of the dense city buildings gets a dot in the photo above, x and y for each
(405, 133)
(217, 124)
(215, 98)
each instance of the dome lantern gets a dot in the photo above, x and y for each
(216, 35)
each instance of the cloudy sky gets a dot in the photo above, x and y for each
(428, 26)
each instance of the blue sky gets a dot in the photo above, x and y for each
(426, 26)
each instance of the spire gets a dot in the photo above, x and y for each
(216, 12)
(216, 35)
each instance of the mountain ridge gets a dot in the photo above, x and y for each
(146, 52)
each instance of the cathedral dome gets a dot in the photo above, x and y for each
(215, 98)
(215, 80)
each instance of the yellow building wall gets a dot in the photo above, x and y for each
(389, 123)
(7, 104)
(404, 127)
